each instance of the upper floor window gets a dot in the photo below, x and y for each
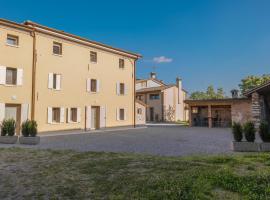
(93, 85)
(93, 56)
(54, 81)
(12, 40)
(122, 88)
(121, 63)
(57, 48)
(143, 84)
(139, 111)
(139, 97)
(154, 96)
(11, 76)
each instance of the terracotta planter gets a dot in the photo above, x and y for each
(29, 140)
(8, 139)
(246, 146)
(265, 146)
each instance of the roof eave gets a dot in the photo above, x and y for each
(33, 24)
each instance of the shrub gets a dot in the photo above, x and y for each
(249, 130)
(29, 128)
(237, 132)
(264, 132)
(8, 127)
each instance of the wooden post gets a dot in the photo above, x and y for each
(210, 125)
(190, 118)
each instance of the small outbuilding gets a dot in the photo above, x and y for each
(218, 112)
(255, 107)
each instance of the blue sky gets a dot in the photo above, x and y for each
(204, 42)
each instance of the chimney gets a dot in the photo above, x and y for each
(235, 93)
(179, 83)
(153, 75)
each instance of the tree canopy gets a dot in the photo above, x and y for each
(210, 93)
(252, 81)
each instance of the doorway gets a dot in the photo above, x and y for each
(95, 117)
(151, 114)
(13, 111)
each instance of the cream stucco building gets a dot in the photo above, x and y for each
(64, 81)
(165, 102)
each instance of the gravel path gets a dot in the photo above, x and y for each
(167, 141)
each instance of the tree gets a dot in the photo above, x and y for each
(252, 81)
(209, 94)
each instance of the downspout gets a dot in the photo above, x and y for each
(134, 76)
(33, 34)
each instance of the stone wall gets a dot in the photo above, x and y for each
(256, 109)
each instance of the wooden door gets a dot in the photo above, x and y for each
(151, 114)
(13, 111)
(95, 119)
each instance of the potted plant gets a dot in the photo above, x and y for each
(29, 133)
(8, 128)
(237, 132)
(249, 132)
(264, 133)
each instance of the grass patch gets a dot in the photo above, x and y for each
(50, 174)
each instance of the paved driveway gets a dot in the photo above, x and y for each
(169, 141)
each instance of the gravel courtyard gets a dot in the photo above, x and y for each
(166, 141)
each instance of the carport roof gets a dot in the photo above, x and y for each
(226, 101)
(264, 88)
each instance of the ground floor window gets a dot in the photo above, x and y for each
(73, 114)
(56, 115)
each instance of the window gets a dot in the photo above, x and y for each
(122, 88)
(93, 56)
(11, 76)
(139, 111)
(121, 63)
(73, 114)
(122, 114)
(57, 48)
(143, 84)
(12, 40)
(54, 81)
(93, 85)
(139, 97)
(56, 115)
(154, 96)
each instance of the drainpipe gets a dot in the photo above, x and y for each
(134, 76)
(34, 62)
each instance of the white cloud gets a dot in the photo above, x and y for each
(162, 59)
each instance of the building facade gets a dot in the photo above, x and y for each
(164, 102)
(64, 81)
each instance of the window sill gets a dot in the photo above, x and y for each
(59, 55)
(11, 85)
(11, 45)
(92, 62)
(55, 89)
(73, 122)
(55, 123)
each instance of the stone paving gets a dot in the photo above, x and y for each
(156, 140)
